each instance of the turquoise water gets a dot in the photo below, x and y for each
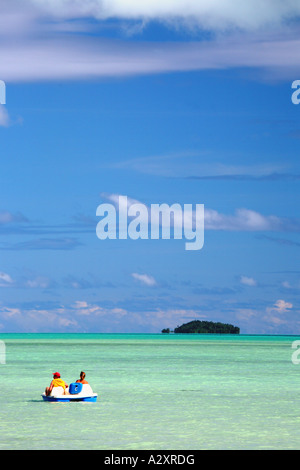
(156, 392)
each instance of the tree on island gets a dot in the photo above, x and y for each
(197, 326)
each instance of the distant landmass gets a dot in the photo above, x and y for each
(197, 326)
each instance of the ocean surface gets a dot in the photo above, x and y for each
(156, 392)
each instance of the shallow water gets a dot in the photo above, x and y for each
(154, 392)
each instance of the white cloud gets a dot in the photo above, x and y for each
(7, 312)
(83, 316)
(67, 322)
(242, 220)
(34, 48)
(208, 14)
(274, 315)
(248, 281)
(271, 320)
(84, 308)
(198, 165)
(144, 279)
(38, 282)
(280, 306)
(64, 58)
(5, 280)
(286, 285)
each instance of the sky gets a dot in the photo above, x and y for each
(169, 101)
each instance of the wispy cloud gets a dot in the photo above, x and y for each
(195, 165)
(32, 280)
(278, 318)
(248, 281)
(86, 309)
(49, 236)
(275, 314)
(249, 220)
(242, 220)
(26, 281)
(43, 244)
(249, 177)
(5, 280)
(280, 306)
(145, 279)
(217, 15)
(84, 316)
(280, 241)
(39, 39)
(38, 282)
(86, 282)
(9, 218)
(71, 58)
(66, 237)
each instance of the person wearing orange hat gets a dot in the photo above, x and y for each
(56, 382)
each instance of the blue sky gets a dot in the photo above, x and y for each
(165, 102)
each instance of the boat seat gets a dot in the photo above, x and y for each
(86, 389)
(57, 391)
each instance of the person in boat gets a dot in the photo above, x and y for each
(82, 378)
(56, 382)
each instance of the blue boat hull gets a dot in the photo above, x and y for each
(69, 398)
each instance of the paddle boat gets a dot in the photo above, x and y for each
(76, 392)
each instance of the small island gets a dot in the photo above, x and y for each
(197, 326)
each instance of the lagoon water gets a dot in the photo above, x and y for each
(157, 392)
